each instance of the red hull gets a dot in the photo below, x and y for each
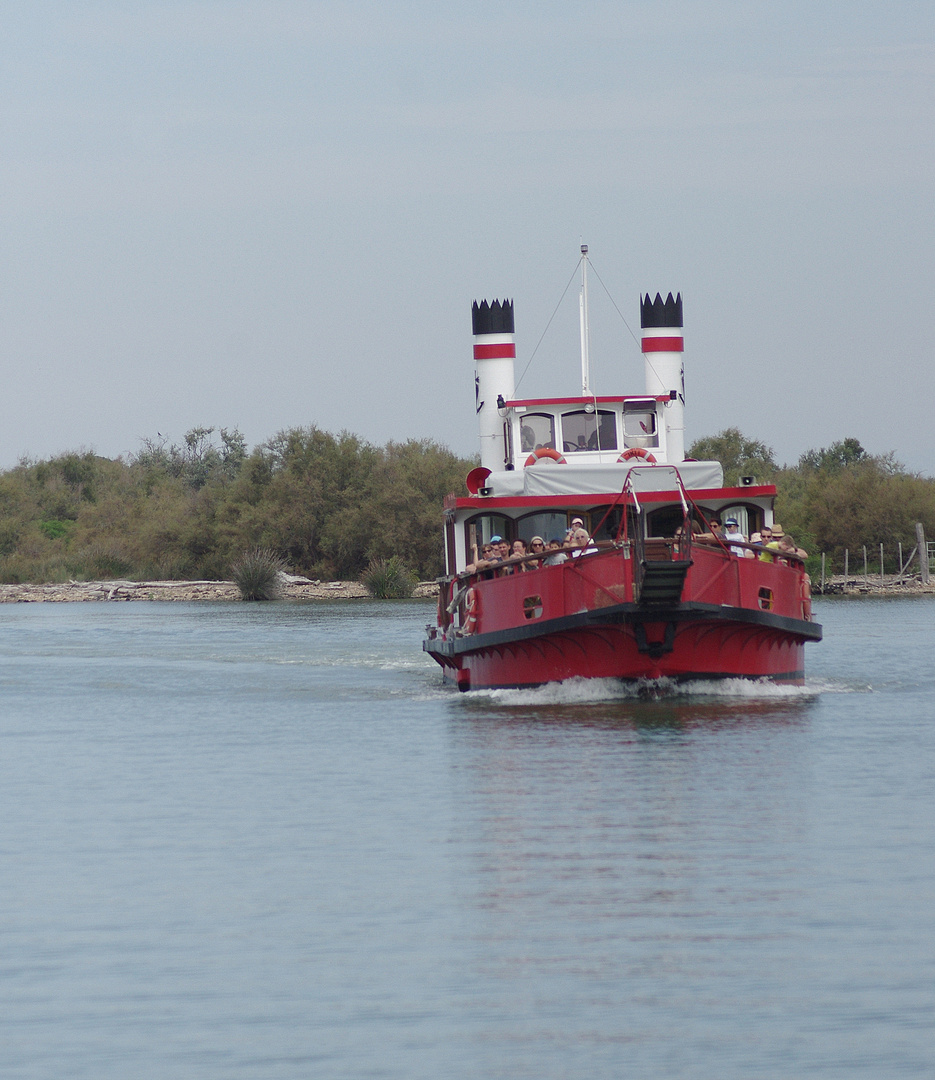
(735, 618)
(700, 651)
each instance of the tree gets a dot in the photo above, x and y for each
(833, 458)
(738, 455)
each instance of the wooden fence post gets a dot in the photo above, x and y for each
(822, 573)
(923, 553)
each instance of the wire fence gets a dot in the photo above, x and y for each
(876, 567)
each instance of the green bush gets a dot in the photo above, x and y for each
(256, 574)
(55, 529)
(388, 579)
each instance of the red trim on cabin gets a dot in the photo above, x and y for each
(520, 402)
(663, 344)
(495, 352)
(736, 494)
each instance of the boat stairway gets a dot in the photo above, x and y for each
(662, 582)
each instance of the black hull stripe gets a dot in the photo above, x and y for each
(626, 615)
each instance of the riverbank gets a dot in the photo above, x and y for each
(887, 585)
(299, 588)
(291, 588)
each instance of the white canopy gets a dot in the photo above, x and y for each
(547, 477)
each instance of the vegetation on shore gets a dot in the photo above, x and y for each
(336, 507)
(326, 505)
(836, 498)
(257, 574)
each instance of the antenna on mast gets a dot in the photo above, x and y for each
(585, 324)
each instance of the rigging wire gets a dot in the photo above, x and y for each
(646, 357)
(547, 325)
(574, 272)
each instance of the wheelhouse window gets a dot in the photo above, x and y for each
(639, 424)
(582, 430)
(537, 432)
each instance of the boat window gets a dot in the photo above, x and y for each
(639, 424)
(484, 526)
(537, 432)
(607, 530)
(532, 607)
(507, 445)
(741, 514)
(583, 430)
(549, 524)
(664, 521)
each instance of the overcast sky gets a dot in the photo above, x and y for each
(265, 215)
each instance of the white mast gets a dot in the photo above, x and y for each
(585, 325)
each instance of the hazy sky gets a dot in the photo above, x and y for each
(273, 214)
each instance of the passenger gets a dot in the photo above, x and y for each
(707, 536)
(536, 547)
(695, 532)
(581, 543)
(503, 552)
(576, 523)
(486, 559)
(732, 532)
(769, 542)
(519, 551)
(787, 547)
(556, 556)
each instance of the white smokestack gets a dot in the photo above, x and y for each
(494, 353)
(663, 347)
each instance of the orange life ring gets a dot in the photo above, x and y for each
(544, 452)
(637, 452)
(470, 612)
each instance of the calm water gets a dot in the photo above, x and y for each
(264, 841)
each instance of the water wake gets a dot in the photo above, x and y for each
(580, 691)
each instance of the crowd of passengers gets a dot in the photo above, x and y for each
(498, 557)
(577, 541)
(772, 542)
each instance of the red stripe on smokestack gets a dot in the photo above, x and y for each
(663, 344)
(495, 352)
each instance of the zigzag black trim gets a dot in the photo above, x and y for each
(495, 318)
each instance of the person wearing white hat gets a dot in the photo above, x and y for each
(732, 532)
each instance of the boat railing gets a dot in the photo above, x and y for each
(788, 558)
(455, 592)
(469, 576)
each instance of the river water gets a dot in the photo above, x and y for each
(264, 841)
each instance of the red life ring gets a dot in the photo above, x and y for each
(544, 452)
(470, 612)
(637, 452)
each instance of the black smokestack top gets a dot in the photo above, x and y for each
(658, 313)
(495, 318)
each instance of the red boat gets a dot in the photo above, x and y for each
(654, 591)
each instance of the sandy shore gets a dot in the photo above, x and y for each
(292, 588)
(299, 588)
(889, 585)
